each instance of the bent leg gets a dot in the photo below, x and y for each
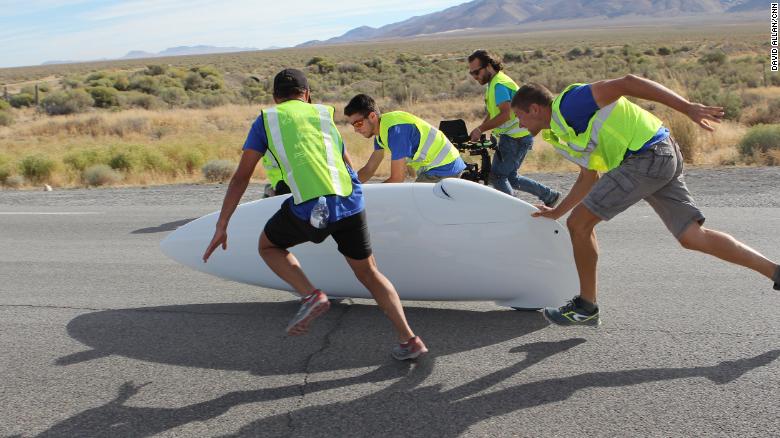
(581, 224)
(725, 247)
(383, 292)
(285, 265)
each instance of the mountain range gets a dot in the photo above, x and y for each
(486, 14)
(171, 51)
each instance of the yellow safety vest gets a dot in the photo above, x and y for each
(307, 145)
(434, 149)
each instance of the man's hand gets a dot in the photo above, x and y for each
(475, 134)
(220, 238)
(704, 115)
(545, 211)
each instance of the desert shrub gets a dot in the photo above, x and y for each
(95, 76)
(374, 63)
(155, 70)
(194, 81)
(468, 88)
(252, 90)
(145, 84)
(6, 118)
(70, 83)
(22, 100)
(5, 168)
(218, 170)
(209, 100)
(514, 57)
(99, 175)
(80, 159)
(141, 100)
(104, 97)
(122, 160)
(764, 113)
(709, 91)
(762, 141)
(121, 83)
(686, 133)
(174, 96)
(185, 157)
(350, 68)
(36, 168)
(192, 160)
(323, 65)
(15, 181)
(203, 78)
(138, 158)
(67, 102)
(4, 105)
(717, 57)
(43, 88)
(574, 53)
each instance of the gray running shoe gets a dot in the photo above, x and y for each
(571, 314)
(312, 306)
(411, 349)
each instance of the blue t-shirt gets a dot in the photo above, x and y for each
(503, 94)
(339, 207)
(578, 106)
(403, 140)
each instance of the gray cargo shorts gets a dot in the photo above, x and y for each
(655, 175)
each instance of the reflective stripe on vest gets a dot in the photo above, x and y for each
(317, 167)
(612, 131)
(434, 149)
(511, 127)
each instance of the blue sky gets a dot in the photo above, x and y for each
(34, 31)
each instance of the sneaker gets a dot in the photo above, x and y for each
(553, 200)
(410, 349)
(777, 278)
(312, 306)
(572, 314)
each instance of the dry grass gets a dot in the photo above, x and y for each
(165, 140)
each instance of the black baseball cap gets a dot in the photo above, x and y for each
(288, 79)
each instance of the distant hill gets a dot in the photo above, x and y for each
(186, 50)
(486, 14)
(172, 51)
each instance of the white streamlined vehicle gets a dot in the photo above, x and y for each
(451, 241)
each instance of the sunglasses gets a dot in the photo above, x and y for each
(358, 123)
(476, 72)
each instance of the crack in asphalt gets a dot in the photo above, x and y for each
(325, 344)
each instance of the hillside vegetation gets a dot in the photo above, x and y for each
(162, 120)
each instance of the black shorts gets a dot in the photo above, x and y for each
(286, 230)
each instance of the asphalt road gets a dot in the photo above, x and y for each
(101, 335)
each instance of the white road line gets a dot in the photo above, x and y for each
(48, 212)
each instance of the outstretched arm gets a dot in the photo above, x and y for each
(585, 181)
(608, 91)
(369, 169)
(235, 191)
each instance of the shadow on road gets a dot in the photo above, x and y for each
(168, 226)
(251, 337)
(403, 408)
